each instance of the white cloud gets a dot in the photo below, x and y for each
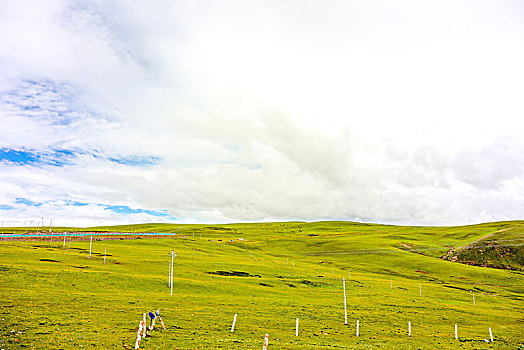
(402, 112)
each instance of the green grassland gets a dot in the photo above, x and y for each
(501, 250)
(57, 298)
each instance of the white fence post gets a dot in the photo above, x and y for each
(234, 321)
(266, 342)
(358, 330)
(409, 328)
(172, 258)
(456, 331)
(169, 280)
(296, 331)
(139, 335)
(90, 244)
(490, 335)
(345, 307)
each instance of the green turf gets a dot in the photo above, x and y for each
(56, 298)
(501, 250)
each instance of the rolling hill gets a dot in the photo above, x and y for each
(269, 274)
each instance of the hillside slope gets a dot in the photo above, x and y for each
(503, 249)
(56, 297)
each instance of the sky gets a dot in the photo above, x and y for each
(397, 112)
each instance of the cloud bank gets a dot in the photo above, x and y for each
(231, 111)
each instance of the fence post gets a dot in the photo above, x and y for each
(345, 307)
(90, 244)
(266, 342)
(234, 321)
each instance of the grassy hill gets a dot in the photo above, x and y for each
(269, 274)
(502, 249)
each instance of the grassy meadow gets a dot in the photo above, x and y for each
(53, 297)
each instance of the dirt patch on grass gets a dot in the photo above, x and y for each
(314, 284)
(49, 260)
(232, 273)
(212, 228)
(455, 287)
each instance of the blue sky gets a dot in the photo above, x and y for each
(403, 112)
(60, 158)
